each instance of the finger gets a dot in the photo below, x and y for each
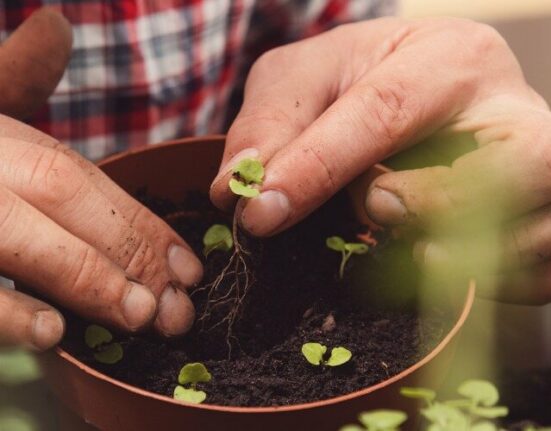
(65, 269)
(391, 107)
(500, 180)
(25, 321)
(182, 263)
(286, 90)
(32, 62)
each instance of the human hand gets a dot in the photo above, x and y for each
(322, 111)
(67, 230)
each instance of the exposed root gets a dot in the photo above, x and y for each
(227, 293)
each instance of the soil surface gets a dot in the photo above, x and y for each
(296, 291)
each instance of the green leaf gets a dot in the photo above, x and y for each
(483, 426)
(339, 356)
(480, 392)
(109, 354)
(445, 416)
(490, 412)
(250, 170)
(18, 366)
(96, 335)
(335, 243)
(380, 420)
(189, 395)
(217, 237)
(194, 373)
(14, 419)
(418, 393)
(356, 247)
(460, 404)
(352, 428)
(242, 189)
(313, 352)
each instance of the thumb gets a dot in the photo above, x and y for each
(32, 62)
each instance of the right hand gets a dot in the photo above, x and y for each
(67, 230)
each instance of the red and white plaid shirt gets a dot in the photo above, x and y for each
(144, 71)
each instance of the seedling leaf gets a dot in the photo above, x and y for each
(194, 373)
(217, 237)
(96, 335)
(243, 189)
(339, 356)
(480, 392)
(445, 416)
(380, 420)
(250, 170)
(110, 354)
(356, 248)
(484, 426)
(335, 243)
(189, 395)
(490, 412)
(418, 393)
(352, 428)
(17, 367)
(313, 352)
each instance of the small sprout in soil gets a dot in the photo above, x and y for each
(217, 237)
(378, 420)
(314, 354)
(347, 249)
(246, 174)
(100, 340)
(192, 374)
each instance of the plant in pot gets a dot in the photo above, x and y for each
(260, 304)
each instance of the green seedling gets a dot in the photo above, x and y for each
(314, 354)
(190, 375)
(476, 411)
(247, 174)
(217, 237)
(100, 340)
(347, 249)
(378, 420)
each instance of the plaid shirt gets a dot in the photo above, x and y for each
(144, 71)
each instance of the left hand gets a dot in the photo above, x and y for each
(322, 111)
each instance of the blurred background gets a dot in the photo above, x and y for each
(519, 339)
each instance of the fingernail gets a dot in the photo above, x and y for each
(266, 213)
(247, 153)
(185, 265)
(139, 306)
(47, 329)
(430, 253)
(176, 312)
(385, 207)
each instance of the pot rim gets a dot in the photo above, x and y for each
(467, 305)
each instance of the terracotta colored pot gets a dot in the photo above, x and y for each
(169, 170)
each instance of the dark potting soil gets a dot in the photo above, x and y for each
(296, 291)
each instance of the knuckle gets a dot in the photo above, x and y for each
(269, 62)
(8, 206)
(87, 273)
(54, 177)
(388, 108)
(139, 259)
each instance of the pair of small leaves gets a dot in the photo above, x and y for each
(217, 237)
(378, 420)
(191, 374)
(100, 339)
(314, 352)
(246, 174)
(338, 244)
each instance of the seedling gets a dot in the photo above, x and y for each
(217, 237)
(190, 375)
(247, 174)
(378, 420)
(315, 352)
(227, 292)
(347, 249)
(100, 340)
(475, 412)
